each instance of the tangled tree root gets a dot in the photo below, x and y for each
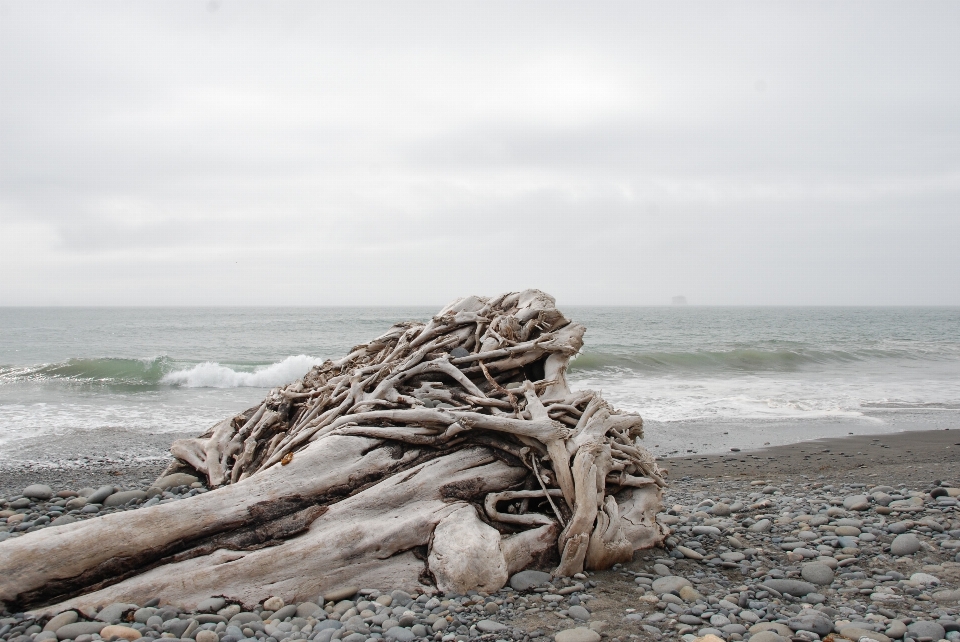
(450, 453)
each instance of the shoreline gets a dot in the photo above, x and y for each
(74, 461)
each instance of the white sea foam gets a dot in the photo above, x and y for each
(214, 375)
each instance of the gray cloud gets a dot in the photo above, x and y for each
(343, 153)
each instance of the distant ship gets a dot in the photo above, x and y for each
(679, 300)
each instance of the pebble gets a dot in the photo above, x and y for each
(670, 583)
(123, 632)
(526, 580)
(817, 573)
(61, 619)
(579, 634)
(99, 495)
(38, 491)
(793, 587)
(926, 629)
(73, 631)
(905, 544)
(577, 612)
(855, 633)
(118, 499)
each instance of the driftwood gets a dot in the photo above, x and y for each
(447, 454)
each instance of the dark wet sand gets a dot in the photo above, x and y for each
(906, 457)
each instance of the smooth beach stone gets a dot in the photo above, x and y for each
(947, 596)
(176, 626)
(526, 580)
(776, 627)
(174, 480)
(273, 604)
(811, 620)
(45, 636)
(120, 631)
(398, 633)
(61, 619)
(662, 569)
(72, 631)
(896, 630)
(306, 609)
(64, 519)
(855, 633)
(925, 579)
(577, 612)
(817, 573)
(38, 491)
(489, 626)
(906, 544)
(706, 530)
(207, 636)
(767, 636)
(670, 583)
(245, 617)
(720, 510)
(76, 503)
(793, 587)
(851, 531)
(579, 634)
(689, 594)
(283, 613)
(121, 498)
(856, 502)
(689, 553)
(762, 526)
(98, 496)
(926, 629)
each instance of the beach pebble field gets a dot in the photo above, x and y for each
(840, 554)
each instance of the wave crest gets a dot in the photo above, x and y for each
(213, 375)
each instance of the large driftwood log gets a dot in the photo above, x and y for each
(447, 454)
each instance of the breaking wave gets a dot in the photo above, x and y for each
(160, 371)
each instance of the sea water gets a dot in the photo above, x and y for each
(705, 379)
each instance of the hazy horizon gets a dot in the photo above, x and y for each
(235, 153)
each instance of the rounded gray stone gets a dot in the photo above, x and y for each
(71, 631)
(98, 496)
(926, 629)
(767, 636)
(397, 633)
(207, 636)
(670, 583)
(121, 498)
(489, 626)
(795, 588)
(577, 612)
(526, 580)
(38, 491)
(61, 619)
(579, 634)
(817, 573)
(856, 502)
(906, 544)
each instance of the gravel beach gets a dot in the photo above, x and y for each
(843, 539)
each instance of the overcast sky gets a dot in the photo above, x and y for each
(322, 153)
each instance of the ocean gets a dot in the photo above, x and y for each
(705, 379)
